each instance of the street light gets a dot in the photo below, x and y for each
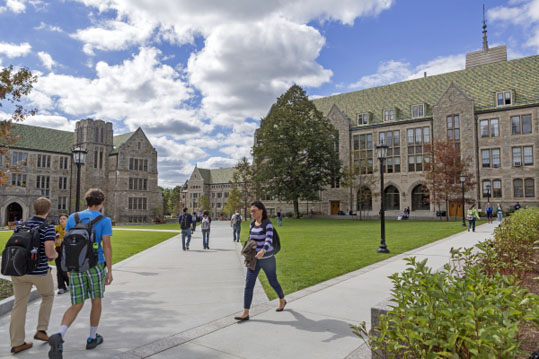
(79, 157)
(381, 152)
(488, 192)
(462, 180)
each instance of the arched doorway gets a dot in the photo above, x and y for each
(364, 199)
(391, 199)
(420, 198)
(13, 212)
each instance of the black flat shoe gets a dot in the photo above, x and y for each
(281, 309)
(241, 319)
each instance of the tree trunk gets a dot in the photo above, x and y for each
(296, 207)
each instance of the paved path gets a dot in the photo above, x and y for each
(166, 303)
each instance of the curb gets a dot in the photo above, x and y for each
(7, 304)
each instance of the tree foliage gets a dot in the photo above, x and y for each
(203, 203)
(233, 202)
(171, 199)
(14, 87)
(359, 180)
(294, 151)
(244, 180)
(442, 167)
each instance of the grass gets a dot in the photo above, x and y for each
(124, 243)
(315, 250)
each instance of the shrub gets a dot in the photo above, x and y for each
(289, 214)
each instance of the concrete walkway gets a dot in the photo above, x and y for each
(165, 303)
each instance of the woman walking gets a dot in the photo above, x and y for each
(205, 226)
(472, 215)
(262, 233)
(499, 212)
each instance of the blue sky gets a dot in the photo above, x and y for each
(197, 76)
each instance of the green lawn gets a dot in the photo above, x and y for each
(124, 243)
(315, 250)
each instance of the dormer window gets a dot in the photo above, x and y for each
(389, 115)
(362, 119)
(417, 111)
(504, 98)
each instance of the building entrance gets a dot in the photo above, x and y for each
(13, 212)
(455, 209)
(335, 207)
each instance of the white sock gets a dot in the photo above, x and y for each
(93, 332)
(63, 330)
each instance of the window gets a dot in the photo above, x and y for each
(420, 198)
(389, 115)
(497, 188)
(485, 158)
(521, 125)
(363, 154)
(138, 164)
(43, 183)
(62, 182)
(96, 134)
(19, 159)
(417, 137)
(63, 163)
(18, 179)
(523, 188)
(219, 195)
(101, 158)
(487, 188)
(417, 111)
(391, 199)
(529, 187)
(490, 158)
(44, 161)
(517, 156)
(393, 159)
(364, 199)
(517, 188)
(362, 119)
(453, 128)
(62, 203)
(138, 203)
(489, 128)
(102, 135)
(504, 98)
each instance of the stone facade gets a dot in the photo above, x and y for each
(131, 192)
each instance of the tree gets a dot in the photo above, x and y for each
(442, 167)
(203, 203)
(14, 86)
(359, 179)
(295, 150)
(233, 201)
(244, 180)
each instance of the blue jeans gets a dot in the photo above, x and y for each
(269, 267)
(279, 221)
(471, 223)
(500, 215)
(206, 238)
(186, 233)
(237, 229)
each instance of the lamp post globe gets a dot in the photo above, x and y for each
(79, 158)
(381, 152)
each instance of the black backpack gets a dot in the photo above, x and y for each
(276, 240)
(183, 222)
(79, 248)
(21, 254)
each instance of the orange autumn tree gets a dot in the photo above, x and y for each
(442, 167)
(14, 86)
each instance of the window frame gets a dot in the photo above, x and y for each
(364, 118)
(420, 110)
(504, 97)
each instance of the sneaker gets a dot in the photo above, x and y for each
(56, 344)
(41, 335)
(61, 291)
(92, 343)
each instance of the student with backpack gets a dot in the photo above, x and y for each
(61, 276)
(88, 232)
(267, 244)
(26, 258)
(205, 227)
(235, 223)
(186, 222)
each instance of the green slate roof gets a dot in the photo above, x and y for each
(42, 139)
(120, 140)
(478, 83)
(216, 176)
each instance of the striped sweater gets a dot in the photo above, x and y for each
(262, 237)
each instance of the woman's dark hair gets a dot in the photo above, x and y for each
(261, 206)
(205, 213)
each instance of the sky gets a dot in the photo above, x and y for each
(197, 76)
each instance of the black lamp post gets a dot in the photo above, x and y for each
(381, 152)
(462, 180)
(488, 192)
(79, 157)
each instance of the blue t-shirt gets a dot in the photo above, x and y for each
(102, 228)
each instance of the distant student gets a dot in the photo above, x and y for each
(472, 215)
(41, 278)
(61, 276)
(279, 218)
(489, 210)
(205, 228)
(235, 223)
(499, 212)
(186, 223)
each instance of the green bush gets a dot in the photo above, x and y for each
(289, 214)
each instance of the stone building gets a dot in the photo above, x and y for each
(40, 163)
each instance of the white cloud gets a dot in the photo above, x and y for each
(43, 26)
(396, 71)
(14, 50)
(16, 6)
(217, 162)
(51, 121)
(46, 59)
(524, 14)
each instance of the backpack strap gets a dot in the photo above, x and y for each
(94, 221)
(77, 218)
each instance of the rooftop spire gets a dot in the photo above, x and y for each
(485, 41)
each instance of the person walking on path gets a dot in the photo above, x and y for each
(194, 220)
(262, 233)
(499, 212)
(472, 215)
(279, 218)
(61, 276)
(186, 222)
(90, 283)
(489, 210)
(41, 277)
(235, 223)
(205, 227)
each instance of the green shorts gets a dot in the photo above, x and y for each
(89, 284)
